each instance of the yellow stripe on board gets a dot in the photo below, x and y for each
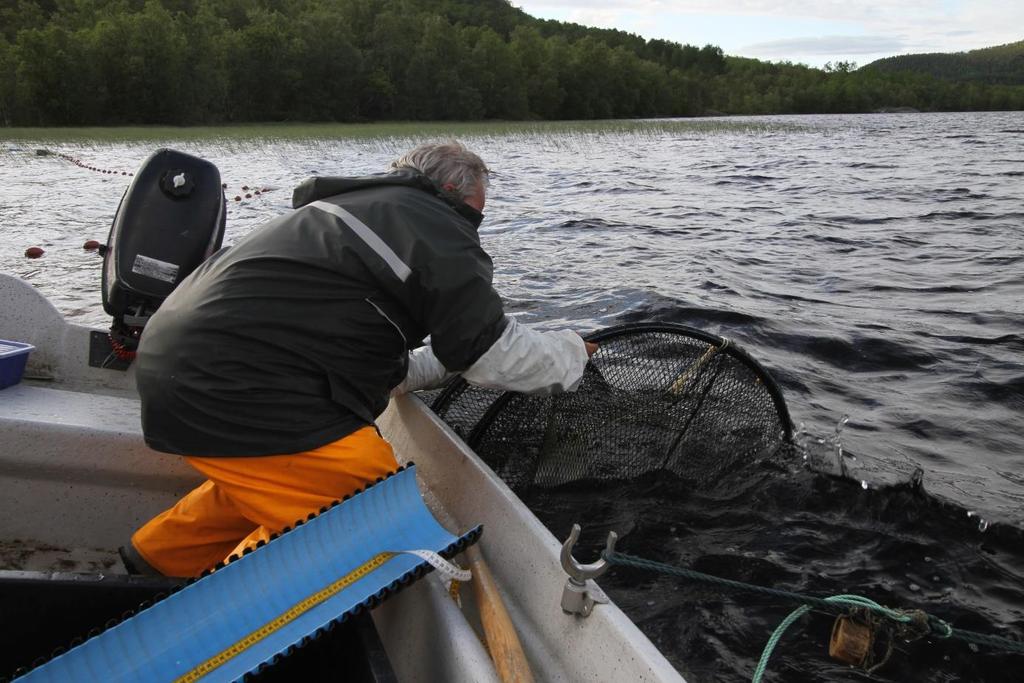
(287, 617)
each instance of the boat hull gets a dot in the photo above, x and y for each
(78, 478)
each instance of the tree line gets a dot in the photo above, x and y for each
(1002, 64)
(183, 62)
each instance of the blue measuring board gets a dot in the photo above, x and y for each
(228, 623)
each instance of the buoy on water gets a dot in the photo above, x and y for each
(91, 245)
(34, 252)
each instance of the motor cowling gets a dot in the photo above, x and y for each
(170, 220)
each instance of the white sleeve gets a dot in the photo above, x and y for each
(425, 372)
(531, 362)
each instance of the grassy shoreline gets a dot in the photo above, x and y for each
(369, 131)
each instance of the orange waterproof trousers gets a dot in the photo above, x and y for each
(245, 500)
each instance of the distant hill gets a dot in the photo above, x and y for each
(1000, 65)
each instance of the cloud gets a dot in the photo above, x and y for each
(876, 12)
(804, 30)
(826, 45)
(602, 18)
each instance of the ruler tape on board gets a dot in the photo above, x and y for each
(448, 571)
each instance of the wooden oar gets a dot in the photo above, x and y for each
(502, 641)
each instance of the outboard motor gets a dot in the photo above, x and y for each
(170, 220)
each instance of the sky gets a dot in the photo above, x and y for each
(810, 32)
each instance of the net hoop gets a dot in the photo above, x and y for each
(457, 385)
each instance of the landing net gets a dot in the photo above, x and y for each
(656, 397)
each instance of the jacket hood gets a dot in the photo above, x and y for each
(321, 187)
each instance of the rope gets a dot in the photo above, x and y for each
(848, 600)
(246, 192)
(82, 164)
(762, 664)
(835, 605)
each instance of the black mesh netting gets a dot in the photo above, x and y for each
(655, 397)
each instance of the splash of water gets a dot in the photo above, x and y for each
(837, 445)
(801, 438)
(982, 522)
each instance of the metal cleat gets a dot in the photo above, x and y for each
(581, 593)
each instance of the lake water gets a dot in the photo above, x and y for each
(874, 264)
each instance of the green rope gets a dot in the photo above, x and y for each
(848, 600)
(762, 664)
(937, 628)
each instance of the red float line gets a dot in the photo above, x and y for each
(81, 164)
(249, 192)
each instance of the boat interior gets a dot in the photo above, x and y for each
(78, 479)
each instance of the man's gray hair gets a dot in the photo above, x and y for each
(447, 163)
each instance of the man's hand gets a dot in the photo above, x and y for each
(425, 372)
(591, 348)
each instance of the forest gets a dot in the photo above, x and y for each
(190, 62)
(1000, 64)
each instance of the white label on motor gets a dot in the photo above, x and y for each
(158, 270)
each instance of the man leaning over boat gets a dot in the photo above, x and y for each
(266, 367)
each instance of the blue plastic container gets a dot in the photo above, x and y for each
(13, 356)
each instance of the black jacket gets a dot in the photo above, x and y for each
(294, 337)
